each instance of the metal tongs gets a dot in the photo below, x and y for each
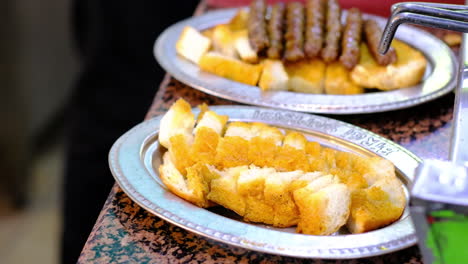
(439, 186)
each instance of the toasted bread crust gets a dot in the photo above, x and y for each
(279, 178)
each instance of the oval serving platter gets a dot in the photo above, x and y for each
(136, 155)
(439, 79)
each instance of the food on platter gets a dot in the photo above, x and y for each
(310, 35)
(192, 45)
(275, 176)
(231, 68)
(406, 71)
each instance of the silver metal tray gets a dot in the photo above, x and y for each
(136, 155)
(439, 79)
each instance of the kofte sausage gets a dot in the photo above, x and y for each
(294, 36)
(373, 34)
(258, 37)
(351, 41)
(275, 31)
(314, 29)
(333, 35)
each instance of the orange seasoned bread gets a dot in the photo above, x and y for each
(275, 177)
(230, 68)
(265, 47)
(405, 72)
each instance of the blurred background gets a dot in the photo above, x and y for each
(37, 70)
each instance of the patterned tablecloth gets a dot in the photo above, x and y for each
(127, 233)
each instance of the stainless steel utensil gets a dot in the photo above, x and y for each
(439, 193)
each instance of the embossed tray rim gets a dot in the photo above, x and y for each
(440, 78)
(131, 153)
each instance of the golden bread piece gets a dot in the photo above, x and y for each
(223, 40)
(377, 206)
(406, 71)
(338, 81)
(210, 119)
(239, 129)
(193, 188)
(203, 108)
(232, 152)
(295, 139)
(231, 68)
(289, 158)
(223, 190)
(192, 44)
(267, 132)
(306, 76)
(204, 146)
(274, 77)
(251, 185)
(264, 144)
(208, 33)
(322, 210)
(277, 194)
(207, 134)
(374, 169)
(248, 131)
(452, 39)
(308, 177)
(268, 177)
(313, 148)
(179, 119)
(243, 47)
(180, 152)
(262, 151)
(239, 21)
(196, 181)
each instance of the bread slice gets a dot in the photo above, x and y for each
(212, 120)
(374, 169)
(251, 185)
(278, 195)
(306, 76)
(232, 151)
(223, 40)
(207, 135)
(338, 80)
(267, 132)
(243, 47)
(231, 68)
(179, 119)
(223, 190)
(192, 44)
(377, 206)
(274, 76)
(291, 155)
(192, 188)
(262, 151)
(405, 72)
(296, 140)
(239, 20)
(239, 129)
(322, 211)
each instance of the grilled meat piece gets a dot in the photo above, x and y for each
(315, 27)
(373, 33)
(275, 31)
(294, 32)
(330, 51)
(258, 37)
(351, 41)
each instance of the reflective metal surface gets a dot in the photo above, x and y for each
(136, 155)
(439, 79)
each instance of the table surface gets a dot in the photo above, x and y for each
(126, 233)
